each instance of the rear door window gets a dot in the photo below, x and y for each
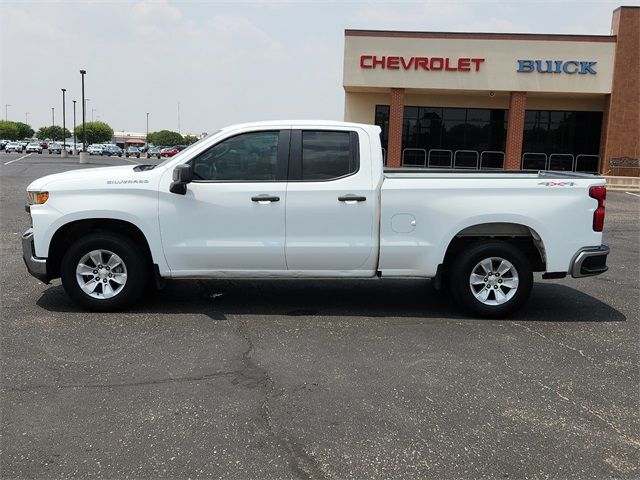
(327, 155)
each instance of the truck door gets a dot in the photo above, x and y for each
(331, 204)
(232, 216)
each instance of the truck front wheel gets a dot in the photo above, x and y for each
(491, 279)
(104, 272)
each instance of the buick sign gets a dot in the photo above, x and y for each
(557, 66)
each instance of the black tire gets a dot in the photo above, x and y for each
(132, 257)
(464, 265)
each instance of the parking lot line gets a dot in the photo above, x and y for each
(634, 194)
(20, 158)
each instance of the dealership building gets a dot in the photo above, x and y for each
(503, 101)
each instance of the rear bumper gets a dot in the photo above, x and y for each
(36, 266)
(590, 261)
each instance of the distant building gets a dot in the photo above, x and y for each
(127, 139)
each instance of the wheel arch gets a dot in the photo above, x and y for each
(68, 233)
(524, 237)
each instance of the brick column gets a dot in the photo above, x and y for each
(621, 120)
(396, 115)
(515, 131)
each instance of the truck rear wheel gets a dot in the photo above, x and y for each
(104, 272)
(491, 279)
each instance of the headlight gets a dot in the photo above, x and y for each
(37, 198)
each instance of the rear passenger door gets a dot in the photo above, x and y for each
(331, 204)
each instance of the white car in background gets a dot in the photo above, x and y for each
(34, 147)
(15, 147)
(95, 149)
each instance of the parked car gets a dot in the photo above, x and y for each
(154, 152)
(55, 148)
(345, 217)
(44, 145)
(168, 152)
(110, 150)
(3, 143)
(13, 147)
(95, 149)
(132, 152)
(33, 148)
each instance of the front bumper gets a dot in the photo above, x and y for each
(590, 261)
(36, 266)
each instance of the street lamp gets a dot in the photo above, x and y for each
(64, 123)
(53, 118)
(26, 117)
(75, 150)
(92, 112)
(6, 111)
(84, 133)
(146, 138)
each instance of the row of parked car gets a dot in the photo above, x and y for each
(104, 149)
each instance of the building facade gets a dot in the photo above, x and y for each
(512, 101)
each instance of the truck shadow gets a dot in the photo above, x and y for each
(342, 298)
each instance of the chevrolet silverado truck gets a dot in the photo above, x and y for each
(310, 199)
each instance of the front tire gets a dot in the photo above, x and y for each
(491, 279)
(104, 272)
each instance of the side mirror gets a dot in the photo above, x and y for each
(182, 175)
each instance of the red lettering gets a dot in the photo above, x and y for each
(405, 65)
(363, 58)
(447, 67)
(380, 62)
(477, 62)
(436, 63)
(464, 64)
(393, 63)
(422, 62)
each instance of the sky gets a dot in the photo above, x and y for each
(199, 65)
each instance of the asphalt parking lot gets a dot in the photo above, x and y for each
(318, 379)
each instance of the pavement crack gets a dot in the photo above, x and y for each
(303, 464)
(564, 345)
(158, 381)
(599, 416)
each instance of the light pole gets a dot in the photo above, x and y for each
(64, 120)
(84, 108)
(26, 117)
(146, 138)
(92, 112)
(53, 117)
(6, 111)
(75, 150)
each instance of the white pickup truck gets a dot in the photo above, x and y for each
(298, 199)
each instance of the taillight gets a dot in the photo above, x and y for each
(600, 194)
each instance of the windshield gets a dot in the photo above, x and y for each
(189, 148)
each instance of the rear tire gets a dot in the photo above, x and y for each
(104, 272)
(491, 279)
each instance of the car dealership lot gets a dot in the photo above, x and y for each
(317, 379)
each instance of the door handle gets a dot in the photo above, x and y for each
(265, 199)
(352, 198)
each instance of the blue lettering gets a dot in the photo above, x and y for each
(565, 67)
(558, 67)
(587, 67)
(549, 65)
(525, 66)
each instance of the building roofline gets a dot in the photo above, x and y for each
(481, 36)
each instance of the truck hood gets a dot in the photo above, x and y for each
(117, 174)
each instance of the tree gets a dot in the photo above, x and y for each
(54, 132)
(189, 139)
(24, 130)
(96, 132)
(165, 137)
(9, 130)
